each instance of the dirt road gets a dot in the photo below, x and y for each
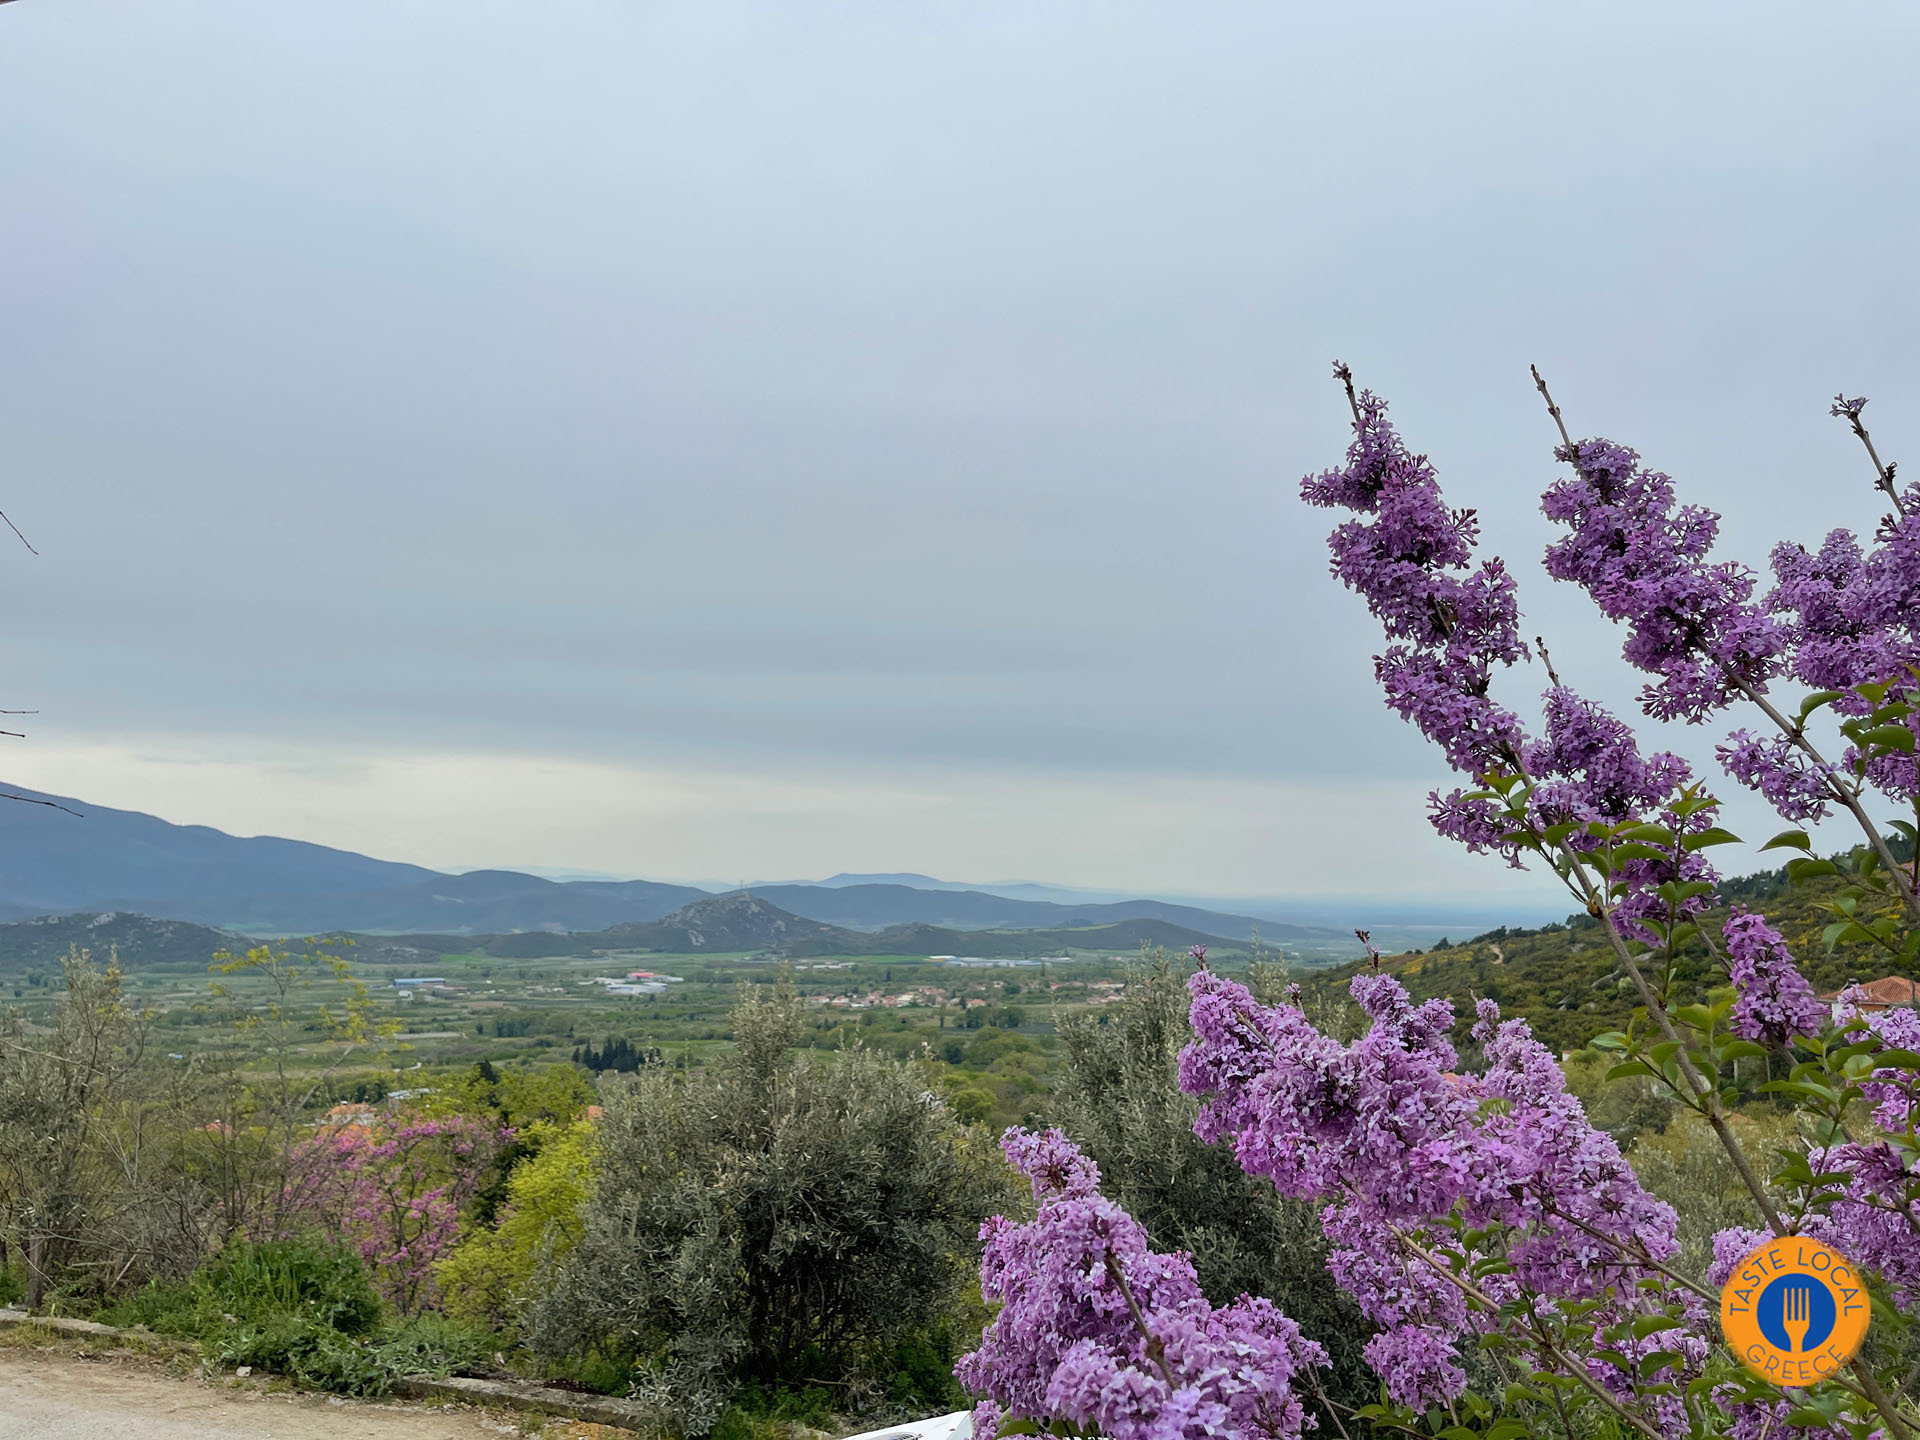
(52, 1396)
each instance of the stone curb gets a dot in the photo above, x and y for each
(544, 1399)
(598, 1409)
(10, 1318)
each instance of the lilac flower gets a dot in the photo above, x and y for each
(1855, 620)
(1780, 772)
(1097, 1328)
(1420, 1366)
(1642, 557)
(1447, 629)
(1772, 1000)
(1402, 1144)
(1892, 1092)
(1589, 768)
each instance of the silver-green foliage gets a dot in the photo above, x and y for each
(774, 1218)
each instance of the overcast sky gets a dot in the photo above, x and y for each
(718, 441)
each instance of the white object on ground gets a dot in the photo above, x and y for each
(957, 1426)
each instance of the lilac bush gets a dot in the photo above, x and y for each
(1516, 1271)
(1098, 1329)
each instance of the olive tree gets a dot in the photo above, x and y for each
(775, 1217)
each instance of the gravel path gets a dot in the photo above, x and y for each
(51, 1396)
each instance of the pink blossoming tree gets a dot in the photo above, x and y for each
(394, 1190)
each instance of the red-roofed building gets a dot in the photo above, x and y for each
(1886, 993)
(348, 1115)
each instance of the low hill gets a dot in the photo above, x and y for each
(137, 940)
(876, 906)
(1565, 980)
(726, 924)
(476, 903)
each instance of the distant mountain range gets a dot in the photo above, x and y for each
(714, 924)
(125, 861)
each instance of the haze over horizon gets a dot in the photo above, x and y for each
(778, 440)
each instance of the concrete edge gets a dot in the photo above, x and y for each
(598, 1410)
(9, 1319)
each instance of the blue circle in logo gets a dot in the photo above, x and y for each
(1817, 1312)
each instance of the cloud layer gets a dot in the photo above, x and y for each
(906, 396)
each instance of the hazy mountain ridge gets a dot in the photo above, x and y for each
(721, 924)
(126, 861)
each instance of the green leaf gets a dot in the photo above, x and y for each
(1809, 869)
(1715, 836)
(1889, 737)
(1814, 701)
(1789, 840)
(1652, 834)
(1633, 850)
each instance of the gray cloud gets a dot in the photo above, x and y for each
(925, 386)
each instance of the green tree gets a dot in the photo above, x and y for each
(488, 1277)
(58, 1092)
(774, 1218)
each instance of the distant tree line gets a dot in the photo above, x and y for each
(618, 1054)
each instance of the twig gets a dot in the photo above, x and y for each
(1841, 792)
(1849, 410)
(1156, 1351)
(1877, 1397)
(1705, 1094)
(1344, 374)
(1642, 1258)
(1540, 644)
(30, 800)
(1552, 409)
(29, 544)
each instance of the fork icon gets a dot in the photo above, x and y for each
(1796, 1314)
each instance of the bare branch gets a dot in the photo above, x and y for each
(1552, 408)
(30, 800)
(16, 530)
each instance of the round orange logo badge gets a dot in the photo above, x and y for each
(1794, 1311)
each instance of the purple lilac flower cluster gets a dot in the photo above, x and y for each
(1447, 625)
(1589, 768)
(1855, 620)
(1772, 1000)
(1643, 558)
(1098, 1328)
(1403, 1146)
